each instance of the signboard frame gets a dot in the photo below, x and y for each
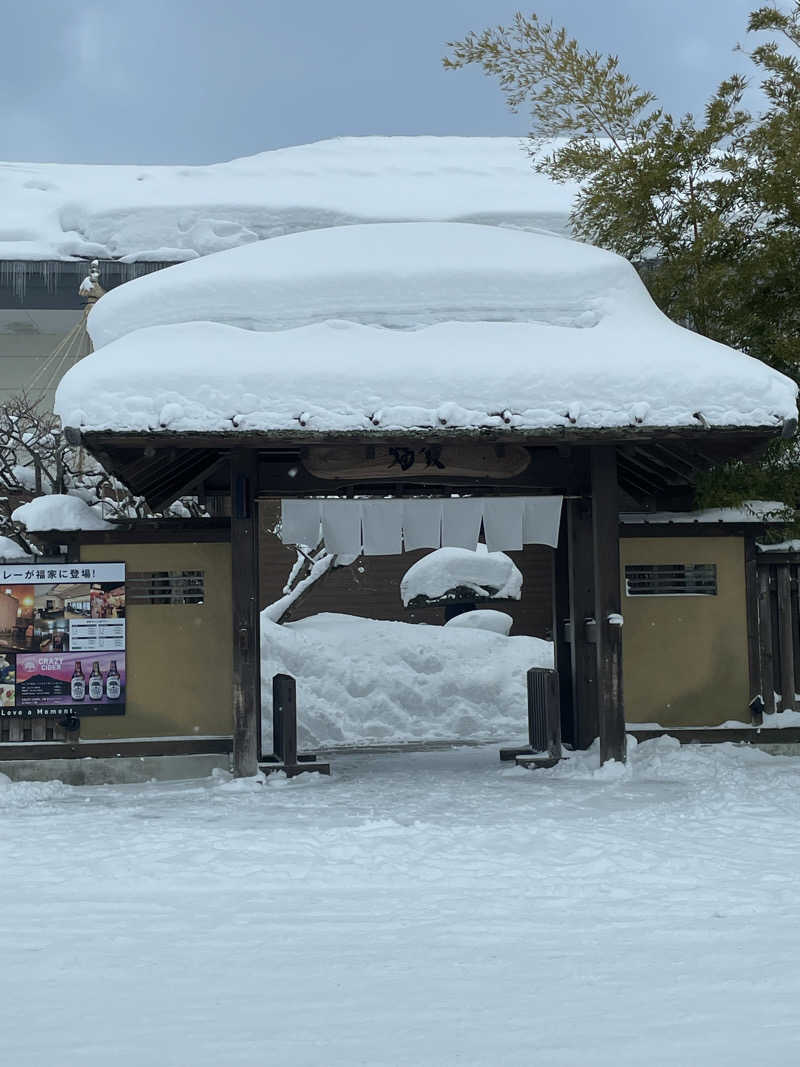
(62, 640)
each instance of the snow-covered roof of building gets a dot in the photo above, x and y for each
(56, 211)
(11, 552)
(406, 326)
(58, 512)
(749, 511)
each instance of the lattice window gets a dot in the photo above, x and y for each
(165, 587)
(671, 579)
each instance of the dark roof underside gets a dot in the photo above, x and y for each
(655, 466)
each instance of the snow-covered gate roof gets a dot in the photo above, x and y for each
(419, 332)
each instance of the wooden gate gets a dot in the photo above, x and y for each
(778, 638)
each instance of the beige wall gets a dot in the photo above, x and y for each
(685, 658)
(28, 339)
(8, 611)
(179, 657)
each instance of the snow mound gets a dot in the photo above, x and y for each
(360, 681)
(24, 794)
(494, 621)
(486, 574)
(397, 275)
(58, 211)
(11, 552)
(575, 359)
(664, 759)
(57, 512)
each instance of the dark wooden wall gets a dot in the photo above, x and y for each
(370, 587)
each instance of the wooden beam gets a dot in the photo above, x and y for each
(608, 608)
(544, 471)
(125, 748)
(583, 660)
(751, 612)
(246, 636)
(562, 630)
(766, 654)
(737, 437)
(690, 735)
(786, 639)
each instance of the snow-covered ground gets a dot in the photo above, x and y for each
(429, 909)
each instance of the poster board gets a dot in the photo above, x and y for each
(62, 639)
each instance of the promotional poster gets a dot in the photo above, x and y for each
(62, 639)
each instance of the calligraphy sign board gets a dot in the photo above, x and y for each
(426, 462)
(62, 639)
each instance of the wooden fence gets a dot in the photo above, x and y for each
(35, 729)
(774, 610)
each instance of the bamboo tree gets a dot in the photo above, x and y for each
(708, 207)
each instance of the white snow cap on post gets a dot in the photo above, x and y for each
(380, 527)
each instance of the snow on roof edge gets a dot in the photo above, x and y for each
(750, 511)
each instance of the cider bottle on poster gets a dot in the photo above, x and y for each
(95, 683)
(77, 687)
(113, 683)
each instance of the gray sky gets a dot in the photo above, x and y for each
(196, 81)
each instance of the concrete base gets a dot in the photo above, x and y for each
(789, 748)
(117, 771)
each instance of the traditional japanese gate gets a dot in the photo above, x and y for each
(586, 575)
(589, 468)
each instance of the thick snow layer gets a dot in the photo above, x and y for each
(60, 211)
(10, 551)
(361, 681)
(56, 512)
(593, 349)
(430, 908)
(487, 574)
(401, 275)
(483, 619)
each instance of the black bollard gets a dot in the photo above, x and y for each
(284, 719)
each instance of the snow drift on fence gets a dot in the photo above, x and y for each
(60, 211)
(501, 328)
(362, 681)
